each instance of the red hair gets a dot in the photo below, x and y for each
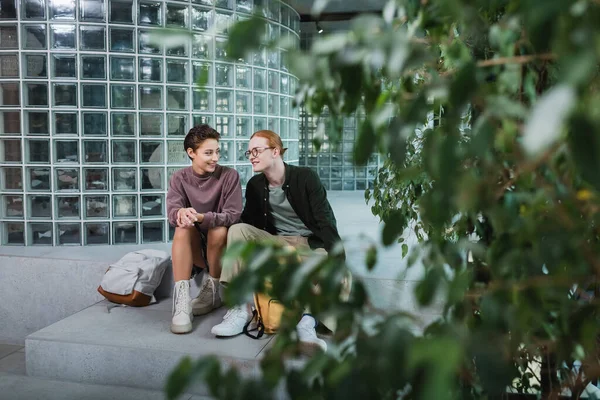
(273, 139)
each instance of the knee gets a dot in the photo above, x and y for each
(183, 233)
(236, 232)
(218, 235)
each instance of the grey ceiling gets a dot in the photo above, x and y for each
(338, 6)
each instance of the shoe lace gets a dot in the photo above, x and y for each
(232, 313)
(208, 291)
(179, 301)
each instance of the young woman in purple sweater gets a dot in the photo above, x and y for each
(203, 199)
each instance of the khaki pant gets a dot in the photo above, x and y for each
(246, 232)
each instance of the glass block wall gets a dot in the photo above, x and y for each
(333, 161)
(93, 110)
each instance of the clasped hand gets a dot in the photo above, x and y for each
(187, 217)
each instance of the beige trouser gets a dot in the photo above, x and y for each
(246, 232)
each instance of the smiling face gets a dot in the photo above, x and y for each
(206, 156)
(265, 155)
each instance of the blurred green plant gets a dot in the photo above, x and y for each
(488, 114)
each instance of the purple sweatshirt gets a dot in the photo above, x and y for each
(218, 196)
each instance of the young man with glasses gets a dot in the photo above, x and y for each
(286, 203)
(203, 200)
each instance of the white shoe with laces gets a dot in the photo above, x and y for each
(234, 321)
(209, 297)
(182, 308)
(307, 335)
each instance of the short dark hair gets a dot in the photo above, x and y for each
(197, 135)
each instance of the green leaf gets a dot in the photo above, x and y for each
(404, 250)
(394, 226)
(371, 258)
(584, 142)
(179, 378)
(365, 143)
(426, 289)
(245, 36)
(545, 123)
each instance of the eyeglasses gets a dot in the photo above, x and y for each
(256, 151)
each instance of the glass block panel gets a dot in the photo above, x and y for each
(178, 50)
(67, 179)
(202, 18)
(92, 10)
(260, 79)
(10, 150)
(223, 100)
(12, 206)
(245, 173)
(93, 67)
(95, 151)
(150, 69)
(260, 58)
(177, 98)
(123, 151)
(243, 77)
(284, 106)
(68, 234)
(177, 71)
(227, 151)
(244, 6)
(260, 124)
(121, 11)
(34, 9)
(223, 75)
(94, 95)
(152, 205)
(96, 178)
(274, 59)
(243, 127)
(201, 100)
(38, 179)
(9, 37)
(273, 124)
(283, 129)
(40, 206)
(148, 43)
(123, 124)
(34, 37)
(65, 123)
(124, 206)
(223, 21)
(151, 124)
(63, 36)
(9, 94)
(150, 14)
(122, 68)
(273, 104)
(9, 66)
(285, 84)
(152, 178)
(40, 233)
(177, 15)
(10, 123)
(150, 97)
(67, 206)
(97, 233)
(152, 231)
(221, 49)
(35, 65)
(37, 123)
(224, 4)
(92, 38)
(62, 9)
(202, 119)
(202, 71)
(177, 124)
(202, 47)
(151, 152)
(122, 96)
(94, 124)
(273, 81)
(96, 206)
(243, 102)
(124, 179)
(66, 151)
(241, 147)
(65, 94)
(224, 125)
(335, 185)
(175, 153)
(37, 94)
(260, 103)
(64, 66)
(122, 40)
(124, 232)
(272, 32)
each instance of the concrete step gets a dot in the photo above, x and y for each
(132, 347)
(19, 387)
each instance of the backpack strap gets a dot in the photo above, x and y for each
(261, 326)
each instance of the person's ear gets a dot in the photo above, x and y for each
(275, 151)
(190, 152)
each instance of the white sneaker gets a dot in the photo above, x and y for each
(233, 322)
(307, 335)
(182, 308)
(209, 297)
